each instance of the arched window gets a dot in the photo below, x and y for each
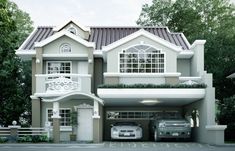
(142, 59)
(65, 48)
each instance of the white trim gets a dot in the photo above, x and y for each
(28, 38)
(190, 78)
(142, 32)
(26, 54)
(186, 40)
(71, 94)
(62, 74)
(197, 42)
(83, 106)
(175, 74)
(65, 55)
(216, 127)
(71, 66)
(84, 28)
(159, 93)
(64, 33)
(142, 43)
(98, 53)
(186, 54)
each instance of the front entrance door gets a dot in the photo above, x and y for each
(85, 124)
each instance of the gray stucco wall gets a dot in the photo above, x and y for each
(113, 55)
(183, 66)
(64, 136)
(54, 47)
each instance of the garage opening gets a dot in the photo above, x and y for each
(142, 117)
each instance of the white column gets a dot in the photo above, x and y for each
(96, 109)
(56, 110)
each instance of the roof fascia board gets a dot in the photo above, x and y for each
(84, 28)
(185, 54)
(186, 40)
(138, 33)
(27, 39)
(197, 42)
(64, 33)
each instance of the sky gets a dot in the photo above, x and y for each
(87, 12)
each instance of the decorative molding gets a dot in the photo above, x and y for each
(83, 106)
(64, 33)
(62, 84)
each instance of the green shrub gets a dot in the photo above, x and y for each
(3, 139)
(33, 139)
(143, 86)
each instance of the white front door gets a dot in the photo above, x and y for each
(85, 124)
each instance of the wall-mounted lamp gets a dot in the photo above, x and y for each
(89, 60)
(37, 60)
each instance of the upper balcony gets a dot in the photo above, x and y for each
(166, 88)
(50, 85)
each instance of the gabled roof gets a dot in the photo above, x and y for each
(103, 36)
(144, 33)
(64, 33)
(84, 28)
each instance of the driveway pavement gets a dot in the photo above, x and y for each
(117, 146)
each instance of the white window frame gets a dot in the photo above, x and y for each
(71, 66)
(72, 27)
(62, 45)
(161, 52)
(63, 127)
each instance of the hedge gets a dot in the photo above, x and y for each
(143, 86)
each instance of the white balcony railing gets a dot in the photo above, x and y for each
(62, 83)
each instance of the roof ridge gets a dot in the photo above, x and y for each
(127, 26)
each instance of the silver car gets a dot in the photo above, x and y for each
(170, 128)
(126, 130)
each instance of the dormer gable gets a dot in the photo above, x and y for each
(75, 28)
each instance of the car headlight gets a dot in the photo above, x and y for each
(162, 124)
(115, 129)
(187, 125)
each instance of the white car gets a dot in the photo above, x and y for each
(126, 130)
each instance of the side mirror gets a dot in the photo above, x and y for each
(139, 125)
(111, 125)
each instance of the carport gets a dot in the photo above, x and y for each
(143, 105)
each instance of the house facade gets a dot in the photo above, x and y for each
(111, 74)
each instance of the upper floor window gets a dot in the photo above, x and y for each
(142, 59)
(65, 48)
(72, 30)
(54, 67)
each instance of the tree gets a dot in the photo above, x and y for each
(14, 95)
(212, 20)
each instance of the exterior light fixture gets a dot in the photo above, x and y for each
(37, 60)
(150, 102)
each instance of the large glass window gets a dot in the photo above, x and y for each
(142, 59)
(54, 67)
(65, 116)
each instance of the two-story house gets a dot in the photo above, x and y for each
(110, 74)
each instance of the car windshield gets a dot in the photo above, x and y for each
(125, 124)
(172, 115)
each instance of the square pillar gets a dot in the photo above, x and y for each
(56, 122)
(36, 112)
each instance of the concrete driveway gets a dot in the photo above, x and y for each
(116, 146)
